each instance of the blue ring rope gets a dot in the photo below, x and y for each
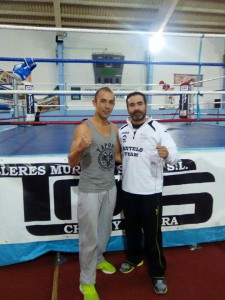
(131, 62)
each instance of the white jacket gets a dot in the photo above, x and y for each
(142, 167)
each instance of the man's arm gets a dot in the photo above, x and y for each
(118, 157)
(169, 150)
(81, 141)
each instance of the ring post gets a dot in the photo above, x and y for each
(30, 111)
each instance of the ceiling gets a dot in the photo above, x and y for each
(179, 16)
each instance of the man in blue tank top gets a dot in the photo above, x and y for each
(96, 147)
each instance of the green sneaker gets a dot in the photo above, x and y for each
(128, 266)
(106, 267)
(89, 292)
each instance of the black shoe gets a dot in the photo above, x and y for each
(160, 286)
(128, 267)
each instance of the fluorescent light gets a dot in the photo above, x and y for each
(156, 43)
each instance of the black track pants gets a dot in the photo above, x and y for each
(143, 216)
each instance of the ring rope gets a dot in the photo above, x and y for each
(116, 92)
(116, 115)
(88, 105)
(125, 84)
(133, 62)
(107, 31)
(87, 116)
(206, 80)
(183, 120)
(99, 84)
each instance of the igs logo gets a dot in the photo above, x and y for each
(38, 207)
(48, 205)
(200, 205)
(46, 196)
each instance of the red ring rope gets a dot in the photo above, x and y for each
(182, 120)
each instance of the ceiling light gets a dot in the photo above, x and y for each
(156, 43)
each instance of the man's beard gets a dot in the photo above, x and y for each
(138, 116)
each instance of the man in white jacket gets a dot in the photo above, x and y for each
(146, 147)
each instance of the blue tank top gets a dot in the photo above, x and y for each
(98, 162)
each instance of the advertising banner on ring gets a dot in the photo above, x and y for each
(39, 198)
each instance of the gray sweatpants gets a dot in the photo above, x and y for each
(94, 214)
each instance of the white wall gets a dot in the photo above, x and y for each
(187, 49)
(35, 44)
(41, 44)
(82, 46)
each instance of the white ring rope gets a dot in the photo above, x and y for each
(116, 85)
(106, 31)
(206, 80)
(116, 92)
(98, 84)
(160, 105)
(80, 105)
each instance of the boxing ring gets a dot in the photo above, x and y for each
(39, 189)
